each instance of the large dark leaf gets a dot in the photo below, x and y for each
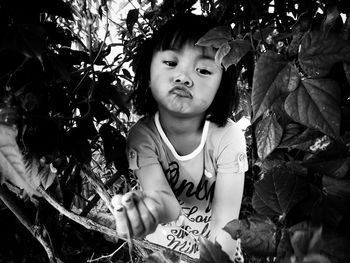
(273, 77)
(212, 253)
(131, 19)
(239, 48)
(337, 168)
(215, 37)
(78, 146)
(221, 53)
(315, 104)
(319, 52)
(114, 145)
(337, 187)
(268, 134)
(278, 191)
(301, 141)
(257, 234)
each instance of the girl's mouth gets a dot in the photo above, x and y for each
(181, 92)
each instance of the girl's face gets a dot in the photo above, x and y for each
(184, 82)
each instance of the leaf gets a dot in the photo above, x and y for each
(221, 53)
(278, 192)
(337, 187)
(302, 141)
(268, 134)
(290, 132)
(215, 37)
(212, 253)
(40, 174)
(78, 146)
(239, 48)
(315, 104)
(319, 52)
(131, 19)
(273, 77)
(264, 33)
(163, 256)
(336, 168)
(331, 18)
(114, 145)
(257, 235)
(12, 168)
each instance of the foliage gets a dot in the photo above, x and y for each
(65, 111)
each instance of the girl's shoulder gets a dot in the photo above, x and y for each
(230, 130)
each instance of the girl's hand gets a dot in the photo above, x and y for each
(137, 213)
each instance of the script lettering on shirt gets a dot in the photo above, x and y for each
(202, 192)
(182, 246)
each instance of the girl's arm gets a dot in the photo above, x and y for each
(139, 212)
(226, 206)
(152, 179)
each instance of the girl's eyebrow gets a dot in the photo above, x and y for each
(204, 55)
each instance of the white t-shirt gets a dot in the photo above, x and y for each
(191, 177)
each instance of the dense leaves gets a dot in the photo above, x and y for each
(212, 253)
(268, 135)
(257, 235)
(316, 105)
(319, 52)
(66, 90)
(278, 191)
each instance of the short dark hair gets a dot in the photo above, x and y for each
(174, 34)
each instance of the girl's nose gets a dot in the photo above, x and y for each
(184, 79)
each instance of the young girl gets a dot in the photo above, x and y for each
(188, 156)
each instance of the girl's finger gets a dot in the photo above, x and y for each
(130, 201)
(149, 222)
(120, 216)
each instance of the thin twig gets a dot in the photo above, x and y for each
(86, 222)
(99, 187)
(108, 256)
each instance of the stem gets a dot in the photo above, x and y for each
(36, 230)
(99, 187)
(85, 222)
(96, 198)
(142, 246)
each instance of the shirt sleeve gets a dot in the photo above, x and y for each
(141, 147)
(232, 156)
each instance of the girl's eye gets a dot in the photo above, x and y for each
(170, 63)
(203, 71)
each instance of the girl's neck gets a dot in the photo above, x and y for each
(178, 125)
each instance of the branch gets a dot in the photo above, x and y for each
(99, 187)
(85, 222)
(96, 198)
(36, 230)
(143, 247)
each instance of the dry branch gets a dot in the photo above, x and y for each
(36, 230)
